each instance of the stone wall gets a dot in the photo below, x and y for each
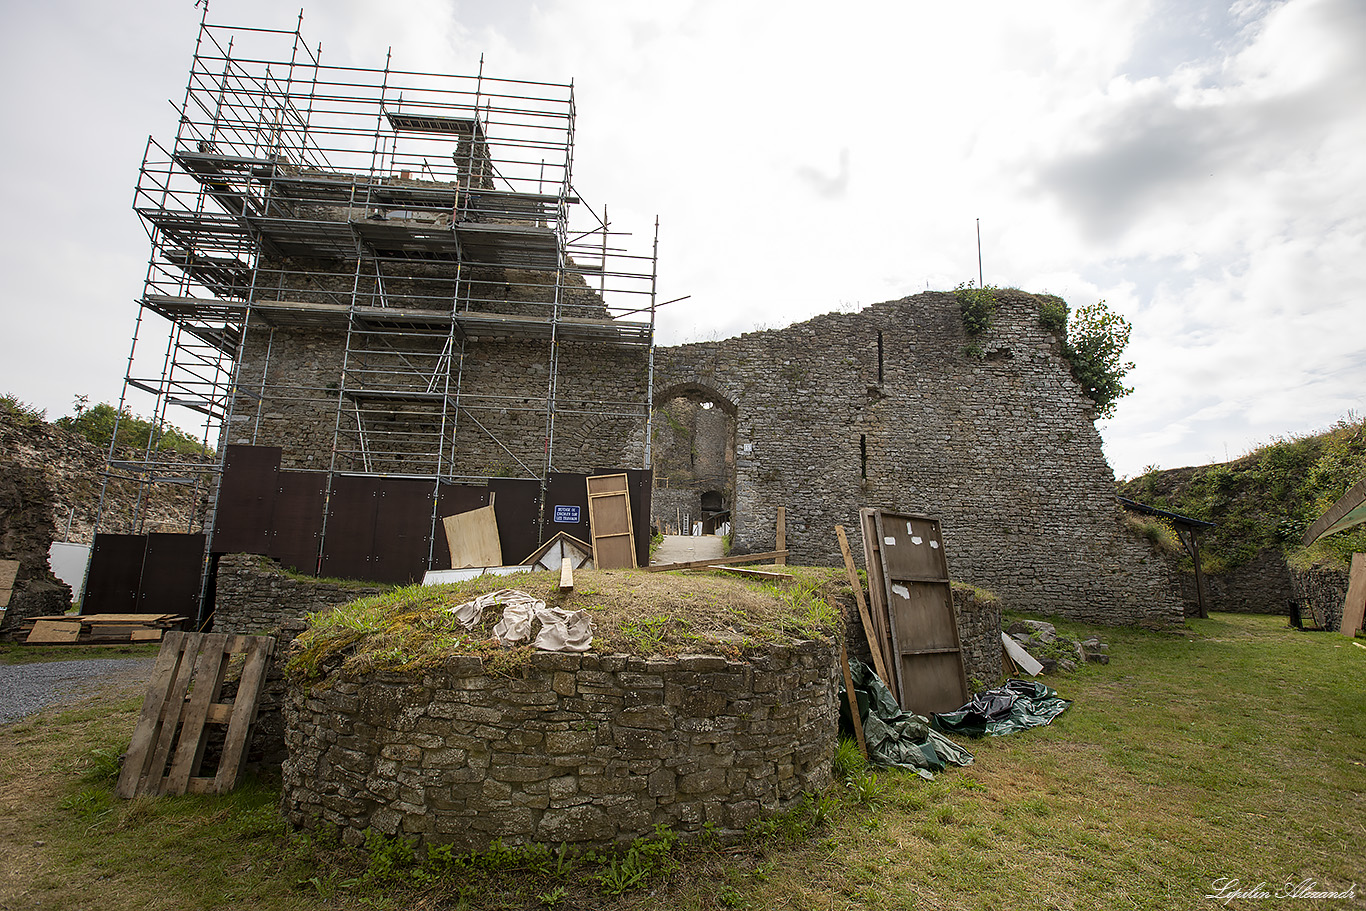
(584, 749)
(253, 595)
(894, 407)
(50, 491)
(1321, 591)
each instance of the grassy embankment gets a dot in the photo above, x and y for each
(1234, 748)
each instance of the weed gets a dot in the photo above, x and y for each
(552, 898)
(848, 760)
(866, 788)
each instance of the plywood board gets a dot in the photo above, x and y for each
(473, 538)
(609, 515)
(1015, 651)
(9, 569)
(1355, 604)
(927, 653)
(54, 631)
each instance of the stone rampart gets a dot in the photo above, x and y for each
(895, 407)
(584, 749)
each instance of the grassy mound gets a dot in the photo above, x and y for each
(636, 613)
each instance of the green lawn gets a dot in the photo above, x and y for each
(1234, 749)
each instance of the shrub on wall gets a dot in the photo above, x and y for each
(977, 306)
(1096, 339)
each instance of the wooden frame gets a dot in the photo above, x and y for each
(609, 516)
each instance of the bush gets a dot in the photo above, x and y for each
(1095, 345)
(98, 425)
(977, 305)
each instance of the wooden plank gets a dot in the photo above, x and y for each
(722, 561)
(566, 574)
(9, 570)
(207, 680)
(148, 727)
(53, 631)
(146, 635)
(853, 701)
(259, 650)
(761, 575)
(609, 517)
(875, 645)
(1354, 606)
(1019, 656)
(153, 780)
(781, 541)
(877, 598)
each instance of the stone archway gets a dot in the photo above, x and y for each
(693, 456)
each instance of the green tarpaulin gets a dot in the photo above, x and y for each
(895, 737)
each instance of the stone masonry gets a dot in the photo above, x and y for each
(585, 749)
(895, 407)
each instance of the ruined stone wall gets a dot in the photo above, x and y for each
(50, 480)
(1322, 590)
(599, 421)
(584, 749)
(253, 595)
(889, 407)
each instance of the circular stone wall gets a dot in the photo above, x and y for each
(584, 749)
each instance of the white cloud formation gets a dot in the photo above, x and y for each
(1194, 163)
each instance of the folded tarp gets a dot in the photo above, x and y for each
(896, 737)
(1012, 706)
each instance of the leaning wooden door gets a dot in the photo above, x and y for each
(915, 577)
(609, 516)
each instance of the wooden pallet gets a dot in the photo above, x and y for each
(167, 750)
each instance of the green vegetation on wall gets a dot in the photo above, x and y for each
(134, 433)
(1096, 339)
(1267, 498)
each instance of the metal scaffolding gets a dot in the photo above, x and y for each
(410, 216)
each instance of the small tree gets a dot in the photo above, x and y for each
(1096, 339)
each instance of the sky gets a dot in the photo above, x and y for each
(1200, 166)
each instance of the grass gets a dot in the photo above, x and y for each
(1235, 747)
(635, 612)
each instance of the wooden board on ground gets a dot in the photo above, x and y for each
(562, 545)
(99, 629)
(758, 574)
(927, 653)
(875, 644)
(9, 570)
(566, 575)
(473, 537)
(1016, 654)
(609, 518)
(853, 701)
(166, 754)
(1354, 606)
(719, 561)
(53, 631)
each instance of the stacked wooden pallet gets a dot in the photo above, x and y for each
(98, 629)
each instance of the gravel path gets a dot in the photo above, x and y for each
(28, 688)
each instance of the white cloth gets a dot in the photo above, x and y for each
(561, 630)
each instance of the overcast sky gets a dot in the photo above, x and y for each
(1201, 166)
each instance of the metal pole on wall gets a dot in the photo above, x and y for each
(980, 283)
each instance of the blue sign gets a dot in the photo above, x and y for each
(568, 515)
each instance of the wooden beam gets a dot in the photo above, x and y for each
(759, 574)
(745, 558)
(782, 535)
(853, 701)
(869, 631)
(1354, 606)
(566, 574)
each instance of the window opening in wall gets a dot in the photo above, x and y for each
(879, 366)
(863, 453)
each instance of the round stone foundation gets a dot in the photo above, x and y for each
(584, 749)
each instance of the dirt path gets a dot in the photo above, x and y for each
(687, 548)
